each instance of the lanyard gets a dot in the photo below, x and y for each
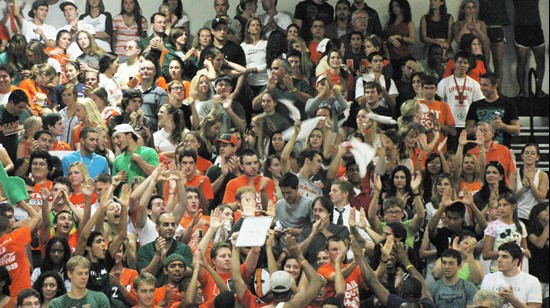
(460, 93)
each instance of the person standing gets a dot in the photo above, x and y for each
(497, 110)
(309, 10)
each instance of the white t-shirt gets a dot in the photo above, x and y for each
(360, 90)
(125, 72)
(28, 30)
(112, 87)
(283, 21)
(161, 141)
(98, 24)
(526, 287)
(255, 57)
(449, 90)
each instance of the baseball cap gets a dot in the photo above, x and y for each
(280, 282)
(124, 128)
(67, 2)
(218, 21)
(174, 257)
(35, 5)
(320, 77)
(228, 138)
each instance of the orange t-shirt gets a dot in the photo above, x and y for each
(499, 153)
(35, 199)
(78, 200)
(474, 74)
(14, 257)
(198, 231)
(76, 133)
(160, 293)
(206, 185)
(353, 282)
(241, 181)
(209, 288)
(444, 117)
(33, 89)
(63, 59)
(61, 146)
(72, 240)
(313, 53)
(203, 164)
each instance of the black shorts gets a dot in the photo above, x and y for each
(528, 36)
(496, 34)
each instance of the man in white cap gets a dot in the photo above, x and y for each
(134, 159)
(70, 11)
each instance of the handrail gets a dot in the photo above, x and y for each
(531, 97)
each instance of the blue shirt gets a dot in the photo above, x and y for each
(96, 164)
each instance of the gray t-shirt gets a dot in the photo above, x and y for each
(298, 217)
(92, 299)
(458, 295)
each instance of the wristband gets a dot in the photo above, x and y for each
(294, 90)
(302, 263)
(409, 267)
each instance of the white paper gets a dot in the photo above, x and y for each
(253, 231)
(294, 112)
(305, 129)
(363, 154)
(381, 119)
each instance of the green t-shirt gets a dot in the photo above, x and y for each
(92, 299)
(409, 242)
(124, 162)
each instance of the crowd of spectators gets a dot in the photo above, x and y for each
(134, 152)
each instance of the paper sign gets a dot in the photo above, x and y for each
(253, 231)
(363, 154)
(306, 129)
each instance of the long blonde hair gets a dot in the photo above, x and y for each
(306, 65)
(205, 125)
(194, 86)
(83, 169)
(267, 128)
(408, 110)
(92, 113)
(94, 48)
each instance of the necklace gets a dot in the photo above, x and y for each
(91, 162)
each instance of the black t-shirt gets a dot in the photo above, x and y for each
(444, 238)
(11, 128)
(493, 12)
(503, 107)
(99, 274)
(406, 92)
(538, 264)
(307, 11)
(353, 60)
(527, 13)
(234, 53)
(187, 113)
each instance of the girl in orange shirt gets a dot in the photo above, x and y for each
(78, 175)
(37, 86)
(62, 40)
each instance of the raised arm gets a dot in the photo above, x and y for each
(374, 221)
(418, 220)
(147, 188)
(105, 199)
(45, 228)
(302, 299)
(122, 231)
(434, 221)
(287, 150)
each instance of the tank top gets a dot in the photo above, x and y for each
(437, 29)
(404, 50)
(527, 200)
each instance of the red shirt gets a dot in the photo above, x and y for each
(499, 153)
